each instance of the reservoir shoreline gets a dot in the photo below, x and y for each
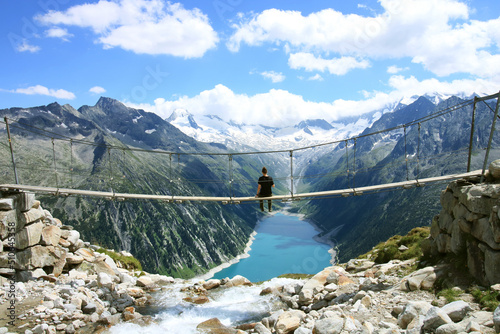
(211, 273)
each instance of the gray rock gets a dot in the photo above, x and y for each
(70, 308)
(70, 329)
(288, 321)
(491, 264)
(40, 257)
(329, 326)
(6, 203)
(7, 219)
(473, 327)
(496, 319)
(494, 169)
(31, 216)
(144, 281)
(435, 318)
(211, 284)
(40, 329)
(25, 201)
(73, 237)
(457, 310)
(105, 281)
(89, 308)
(450, 329)
(51, 235)
(29, 235)
(302, 330)
(411, 311)
(306, 296)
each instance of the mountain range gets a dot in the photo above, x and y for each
(434, 143)
(112, 147)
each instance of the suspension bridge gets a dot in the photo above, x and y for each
(350, 145)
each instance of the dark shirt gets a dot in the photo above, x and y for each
(266, 182)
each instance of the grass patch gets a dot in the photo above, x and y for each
(128, 262)
(488, 299)
(449, 294)
(389, 250)
(296, 276)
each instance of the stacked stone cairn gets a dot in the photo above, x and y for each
(68, 284)
(468, 226)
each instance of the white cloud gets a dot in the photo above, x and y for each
(280, 107)
(97, 90)
(142, 26)
(274, 76)
(393, 69)
(316, 77)
(26, 47)
(58, 33)
(437, 34)
(337, 66)
(42, 90)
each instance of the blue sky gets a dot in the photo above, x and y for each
(267, 62)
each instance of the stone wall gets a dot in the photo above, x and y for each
(468, 225)
(33, 243)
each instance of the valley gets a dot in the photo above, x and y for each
(112, 147)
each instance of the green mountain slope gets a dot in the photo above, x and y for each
(110, 147)
(435, 147)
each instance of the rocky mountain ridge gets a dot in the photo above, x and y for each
(113, 148)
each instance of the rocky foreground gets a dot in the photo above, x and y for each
(361, 297)
(358, 297)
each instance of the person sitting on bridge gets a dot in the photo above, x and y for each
(264, 189)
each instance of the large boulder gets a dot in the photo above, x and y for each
(333, 325)
(237, 281)
(8, 219)
(496, 319)
(41, 257)
(457, 310)
(289, 321)
(31, 216)
(51, 235)
(215, 326)
(29, 235)
(434, 318)
(7, 203)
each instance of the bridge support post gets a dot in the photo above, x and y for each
(291, 173)
(490, 139)
(11, 149)
(471, 141)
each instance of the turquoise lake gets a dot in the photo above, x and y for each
(284, 244)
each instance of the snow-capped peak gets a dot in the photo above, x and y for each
(181, 118)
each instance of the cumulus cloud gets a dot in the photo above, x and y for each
(27, 47)
(316, 77)
(393, 69)
(141, 26)
(338, 66)
(437, 34)
(275, 77)
(58, 33)
(42, 90)
(279, 107)
(97, 90)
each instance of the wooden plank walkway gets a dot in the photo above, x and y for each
(235, 200)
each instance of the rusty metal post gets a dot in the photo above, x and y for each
(472, 134)
(11, 150)
(490, 139)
